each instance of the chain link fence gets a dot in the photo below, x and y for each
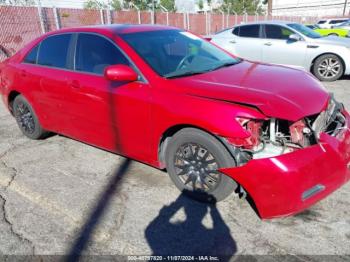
(19, 25)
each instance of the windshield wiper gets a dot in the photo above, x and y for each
(189, 73)
(227, 64)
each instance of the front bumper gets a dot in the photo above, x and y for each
(289, 183)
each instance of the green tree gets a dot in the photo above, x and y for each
(116, 5)
(169, 5)
(99, 4)
(95, 4)
(200, 5)
(241, 6)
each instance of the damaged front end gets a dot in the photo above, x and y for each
(287, 166)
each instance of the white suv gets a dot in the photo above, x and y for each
(329, 23)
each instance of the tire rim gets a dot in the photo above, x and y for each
(197, 168)
(329, 68)
(25, 118)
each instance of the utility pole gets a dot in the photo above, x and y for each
(345, 4)
(269, 7)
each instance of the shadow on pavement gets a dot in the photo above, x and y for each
(101, 207)
(190, 237)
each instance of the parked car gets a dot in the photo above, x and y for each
(166, 97)
(328, 23)
(342, 32)
(345, 25)
(312, 26)
(288, 43)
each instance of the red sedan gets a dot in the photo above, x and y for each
(170, 99)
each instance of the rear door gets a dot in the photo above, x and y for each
(44, 74)
(279, 49)
(242, 41)
(248, 42)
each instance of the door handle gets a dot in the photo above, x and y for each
(268, 44)
(74, 84)
(233, 42)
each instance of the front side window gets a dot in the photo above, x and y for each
(321, 22)
(32, 56)
(345, 23)
(175, 53)
(277, 32)
(249, 31)
(305, 30)
(333, 22)
(94, 53)
(53, 51)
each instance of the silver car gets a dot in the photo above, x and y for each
(345, 25)
(290, 44)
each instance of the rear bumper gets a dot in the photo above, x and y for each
(289, 183)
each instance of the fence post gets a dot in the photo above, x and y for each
(57, 21)
(184, 16)
(167, 13)
(223, 19)
(40, 14)
(109, 20)
(236, 16)
(206, 23)
(245, 16)
(188, 21)
(101, 16)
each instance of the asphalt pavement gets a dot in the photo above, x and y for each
(59, 196)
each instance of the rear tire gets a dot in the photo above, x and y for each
(204, 154)
(328, 68)
(26, 118)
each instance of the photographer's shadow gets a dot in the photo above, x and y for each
(190, 237)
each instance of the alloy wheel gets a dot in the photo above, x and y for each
(25, 118)
(197, 168)
(329, 68)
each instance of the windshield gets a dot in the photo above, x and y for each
(305, 30)
(176, 53)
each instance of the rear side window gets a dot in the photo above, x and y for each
(321, 22)
(249, 31)
(94, 53)
(53, 51)
(32, 56)
(236, 31)
(277, 32)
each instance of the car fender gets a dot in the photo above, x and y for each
(316, 50)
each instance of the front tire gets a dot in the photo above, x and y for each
(193, 158)
(26, 119)
(328, 68)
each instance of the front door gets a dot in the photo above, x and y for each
(109, 114)
(279, 49)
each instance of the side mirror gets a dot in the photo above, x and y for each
(122, 73)
(295, 37)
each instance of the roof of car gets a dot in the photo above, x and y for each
(116, 28)
(274, 22)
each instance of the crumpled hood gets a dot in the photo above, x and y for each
(333, 40)
(278, 91)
